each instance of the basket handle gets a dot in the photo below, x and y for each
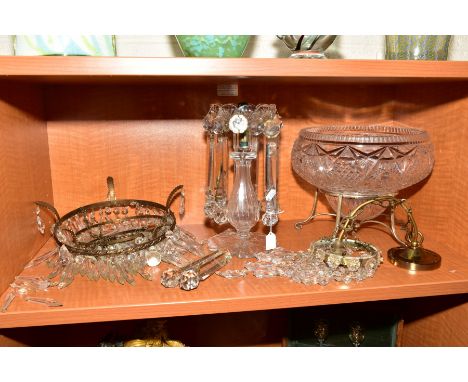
(110, 189)
(173, 194)
(111, 192)
(50, 207)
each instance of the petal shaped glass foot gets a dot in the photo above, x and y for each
(242, 247)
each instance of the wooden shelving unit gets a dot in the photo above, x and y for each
(111, 69)
(86, 301)
(69, 122)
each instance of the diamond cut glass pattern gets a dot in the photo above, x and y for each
(362, 160)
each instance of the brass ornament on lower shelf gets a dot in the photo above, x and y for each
(153, 342)
(154, 335)
(320, 330)
(356, 333)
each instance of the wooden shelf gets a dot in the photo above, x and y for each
(117, 69)
(69, 122)
(88, 301)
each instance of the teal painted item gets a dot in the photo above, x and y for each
(212, 45)
(64, 45)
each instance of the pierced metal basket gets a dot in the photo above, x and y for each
(114, 227)
(113, 240)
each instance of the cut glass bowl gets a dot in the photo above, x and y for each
(362, 161)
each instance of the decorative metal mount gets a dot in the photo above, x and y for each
(410, 255)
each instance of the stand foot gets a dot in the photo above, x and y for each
(230, 241)
(414, 259)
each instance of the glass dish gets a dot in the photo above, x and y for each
(362, 161)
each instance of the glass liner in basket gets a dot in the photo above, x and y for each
(247, 127)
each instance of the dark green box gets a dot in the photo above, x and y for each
(380, 325)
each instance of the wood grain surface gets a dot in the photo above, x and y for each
(132, 69)
(88, 301)
(24, 176)
(139, 120)
(151, 138)
(440, 201)
(436, 321)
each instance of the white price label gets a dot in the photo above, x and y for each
(270, 241)
(270, 195)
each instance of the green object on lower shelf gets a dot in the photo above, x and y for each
(378, 329)
(212, 45)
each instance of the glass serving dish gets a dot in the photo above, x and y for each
(357, 163)
(362, 161)
(360, 169)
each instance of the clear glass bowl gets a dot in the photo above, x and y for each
(362, 161)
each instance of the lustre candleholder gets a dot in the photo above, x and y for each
(241, 127)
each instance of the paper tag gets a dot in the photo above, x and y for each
(270, 195)
(238, 123)
(270, 241)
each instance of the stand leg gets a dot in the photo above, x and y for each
(393, 228)
(338, 215)
(313, 213)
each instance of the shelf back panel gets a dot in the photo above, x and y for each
(24, 176)
(443, 112)
(150, 138)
